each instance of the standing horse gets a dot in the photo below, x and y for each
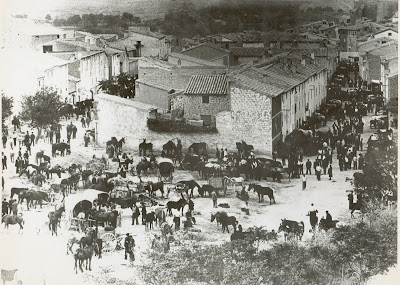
(261, 191)
(178, 205)
(12, 220)
(145, 147)
(84, 254)
(288, 227)
(110, 217)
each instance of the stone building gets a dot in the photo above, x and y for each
(205, 96)
(210, 52)
(268, 101)
(152, 43)
(348, 38)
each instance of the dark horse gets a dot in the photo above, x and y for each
(54, 219)
(198, 148)
(19, 192)
(110, 217)
(191, 184)
(61, 147)
(85, 254)
(12, 220)
(145, 147)
(117, 144)
(292, 227)
(178, 205)
(261, 191)
(169, 148)
(143, 166)
(325, 225)
(224, 220)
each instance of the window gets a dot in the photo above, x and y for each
(206, 99)
(206, 119)
(389, 34)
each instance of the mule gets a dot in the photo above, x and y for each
(178, 205)
(191, 184)
(261, 191)
(12, 220)
(84, 254)
(289, 227)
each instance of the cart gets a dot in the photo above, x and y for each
(80, 201)
(111, 240)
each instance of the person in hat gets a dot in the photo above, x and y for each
(129, 245)
(4, 207)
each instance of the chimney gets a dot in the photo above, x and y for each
(303, 61)
(138, 47)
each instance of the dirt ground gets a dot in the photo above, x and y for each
(42, 259)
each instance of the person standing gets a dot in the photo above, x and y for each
(88, 122)
(58, 136)
(330, 172)
(4, 207)
(4, 141)
(308, 166)
(83, 121)
(135, 215)
(318, 172)
(214, 198)
(355, 165)
(313, 216)
(4, 160)
(144, 212)
(14, 137)
(32, 138)
(304, 179)
(51, 136)
(129, 244)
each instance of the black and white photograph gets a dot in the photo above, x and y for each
(196, 142)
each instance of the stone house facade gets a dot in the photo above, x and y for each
(152, 43)
(205, 96)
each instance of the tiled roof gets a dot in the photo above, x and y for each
(128, 43)
(248, 51)
(156, 85)
(146, 32)
(193, 59)
(207, 44)
(272, 79)
(207, 85)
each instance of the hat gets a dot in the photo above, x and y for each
(127, 234)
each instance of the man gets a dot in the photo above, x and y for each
(58, 136)
(129, 245)
(330, 172)
(308, 166)
(27, 138)
(32, 139)
(274, 155)
(318, 172)
(144, 212)
(83, 121)
(360, 161)
(355, 162)
(4, 207)
(14, 137)
(135, 215)
(304, 179)
(313, 216)
(4, 140)
(328, 219)
(51, 136)
(14, 207)
(4, 161)
(88, 122)
(214, 198)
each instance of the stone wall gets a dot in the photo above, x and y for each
(194, 107)
(126, 118)
(251, 118)
(153, 95)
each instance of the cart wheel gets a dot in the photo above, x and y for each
(109, 242)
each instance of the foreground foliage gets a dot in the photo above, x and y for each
(347, 255)
(6, 108)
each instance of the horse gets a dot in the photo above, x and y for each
(39, 156)
(354, 206)
(240, 235)
(288, 227)
(33, 195)
(149, 219)
(153, 187)
(30, 171)
(225, 220)
(243, 147)
(160, 215)
(110, 217)
(191, 184)
(56, 170)
(178, 205)
(261, 191)
(206, 188)
(165, 169)
(19, 192)
(119, 144)
(198, 148)
(85, 254)
(61, 147)
(169, 148)
(145, 147)
(12, 220)
(143, 166)
(54, 218)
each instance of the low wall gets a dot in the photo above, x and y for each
(119, 117)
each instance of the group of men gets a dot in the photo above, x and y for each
(12, 206)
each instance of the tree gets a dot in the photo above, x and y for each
(6, 108)
(43, 109)
(122, 85)
(48, 17)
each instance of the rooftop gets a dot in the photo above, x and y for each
(207, 85)
(248, 51)
(193, 59)
(146, 31)
(272, 79)
(128, 43)
(98, 36)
